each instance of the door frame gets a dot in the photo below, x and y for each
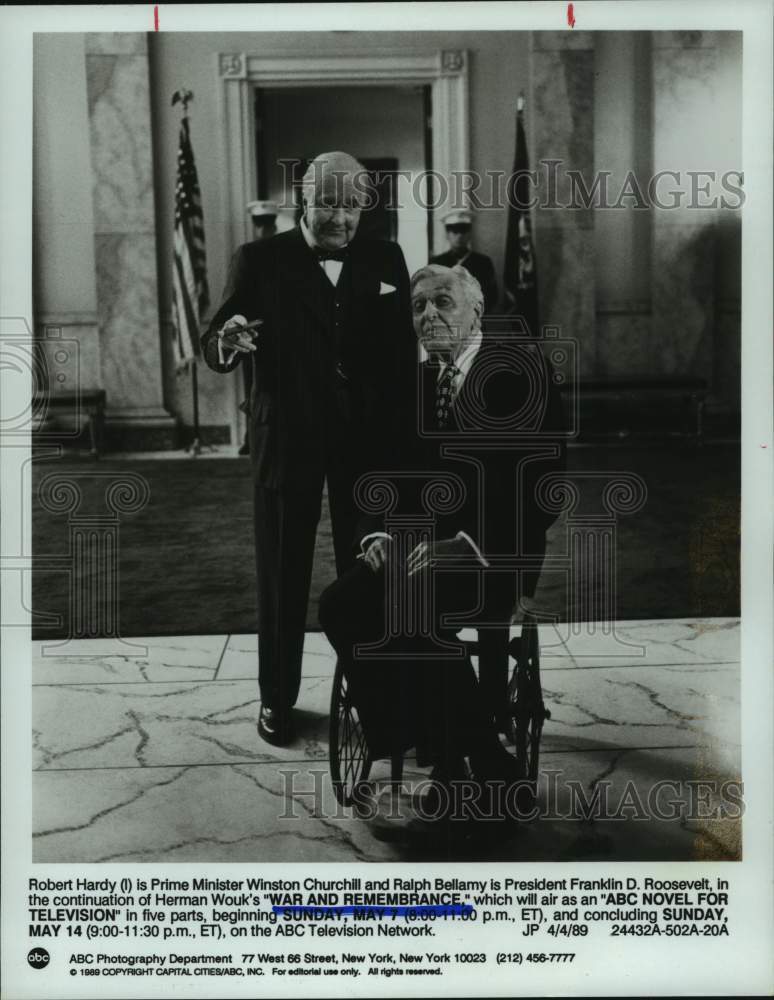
(445, 71)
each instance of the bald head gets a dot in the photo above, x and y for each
(327, 169)
(333, 191)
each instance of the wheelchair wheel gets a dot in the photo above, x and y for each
(350, 762)
(526, 710)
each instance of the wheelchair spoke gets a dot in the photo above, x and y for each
(526, 711)
(348, 748)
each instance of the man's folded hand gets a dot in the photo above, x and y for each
(377, 553)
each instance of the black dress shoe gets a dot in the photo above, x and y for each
(275, 727)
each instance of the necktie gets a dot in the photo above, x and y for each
(443, 394)
(339, 255)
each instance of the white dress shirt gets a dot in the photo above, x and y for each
(332, 268)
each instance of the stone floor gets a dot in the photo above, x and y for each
(147, 751)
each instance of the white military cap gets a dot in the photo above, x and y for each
(458, 217)
(260, 208)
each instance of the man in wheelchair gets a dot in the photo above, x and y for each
(459, 540)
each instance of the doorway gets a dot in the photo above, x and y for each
(385, 127)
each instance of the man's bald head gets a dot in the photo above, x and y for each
(331, 168)
(333, 190)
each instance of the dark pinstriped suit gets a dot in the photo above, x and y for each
(333, 386)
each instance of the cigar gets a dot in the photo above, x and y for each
(248, 326)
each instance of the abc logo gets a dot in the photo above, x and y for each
(38, 958)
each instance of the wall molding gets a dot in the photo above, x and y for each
(445, 71)
(66, 319)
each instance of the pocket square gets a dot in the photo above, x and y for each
(385, 289)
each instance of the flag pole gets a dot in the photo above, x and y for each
(184, 97)
(520, 278)
(196, 447)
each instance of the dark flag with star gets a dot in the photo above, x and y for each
(520, 282)
(190, 295)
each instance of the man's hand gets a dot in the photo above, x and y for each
(448, 551)
(239, 335)
(377, 554)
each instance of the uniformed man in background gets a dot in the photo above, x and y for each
(264, 216)
(459, 233)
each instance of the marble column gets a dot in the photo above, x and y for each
(683, 285)
(562, 120)
(118, 91)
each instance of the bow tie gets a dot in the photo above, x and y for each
(339, 255)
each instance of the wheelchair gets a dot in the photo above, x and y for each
(521, 719)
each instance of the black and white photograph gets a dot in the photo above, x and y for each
(385, 471)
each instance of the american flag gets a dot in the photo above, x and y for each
(190, 295)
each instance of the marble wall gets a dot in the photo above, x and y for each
(562, 120)
(683, 242)
(118, 91)
(681, 316)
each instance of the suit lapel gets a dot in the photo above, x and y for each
(429, 382)
(468, 381)
(312, 283)
(464, 396)
(362, 273)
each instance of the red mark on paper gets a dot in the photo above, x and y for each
(156, 18)
(570, 16)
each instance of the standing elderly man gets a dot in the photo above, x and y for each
(491, 416)
(325, 321)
